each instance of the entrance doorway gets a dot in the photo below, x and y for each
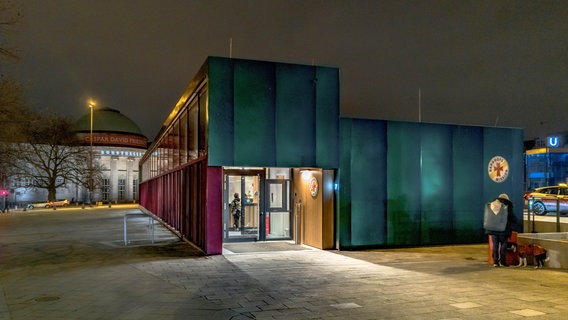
(257, 204)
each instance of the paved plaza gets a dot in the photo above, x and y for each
(73, 263)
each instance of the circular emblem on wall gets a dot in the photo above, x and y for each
(314, 187)
(498, 169)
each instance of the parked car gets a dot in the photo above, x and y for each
(58, 203)
(544, 199)
(49, 204)
(38, 205)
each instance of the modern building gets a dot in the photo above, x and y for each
(118, 145)
(272, 134)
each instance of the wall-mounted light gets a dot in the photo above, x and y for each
(306, 174)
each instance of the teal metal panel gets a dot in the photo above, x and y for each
(506, 143)
(467, 155)
(327, 117)
(344, 203)
(368, 182)
(254, 113)
(272, 114)
(221, 129)
(295, 116)
(403, 183)
(436, 181)
(436, 175)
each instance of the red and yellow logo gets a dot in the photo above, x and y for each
(498, 169)
(314, 187)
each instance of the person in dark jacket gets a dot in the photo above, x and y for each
(499, 235)
(235, 208)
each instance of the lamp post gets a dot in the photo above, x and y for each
(91, 107)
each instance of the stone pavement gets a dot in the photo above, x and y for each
(73, 264)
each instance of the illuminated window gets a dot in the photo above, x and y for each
(121, 189)
(134, 189)
(106, 189)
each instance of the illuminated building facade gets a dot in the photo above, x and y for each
(270, 134)
(118, 145)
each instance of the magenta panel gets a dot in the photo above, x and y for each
(214, 211)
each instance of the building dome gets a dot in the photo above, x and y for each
(110, 128)
(107, 120)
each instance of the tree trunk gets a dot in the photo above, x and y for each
(51, 193)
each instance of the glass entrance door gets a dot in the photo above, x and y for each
(278, 209)
(241, 218)
(256, 208)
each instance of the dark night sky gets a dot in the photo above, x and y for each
(474, 62)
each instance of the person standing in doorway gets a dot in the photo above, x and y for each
(499, 222)
(235, 208)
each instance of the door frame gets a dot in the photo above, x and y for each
(261, 173)
(287, 205)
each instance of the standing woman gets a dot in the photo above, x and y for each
(499, 222)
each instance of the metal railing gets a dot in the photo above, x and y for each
(132, 215)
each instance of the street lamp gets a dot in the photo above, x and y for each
(91, 107)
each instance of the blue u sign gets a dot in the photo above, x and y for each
(553, 141)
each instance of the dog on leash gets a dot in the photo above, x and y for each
(530, 250)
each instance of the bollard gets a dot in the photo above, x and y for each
(558, 214)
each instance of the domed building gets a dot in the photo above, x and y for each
(118, 144)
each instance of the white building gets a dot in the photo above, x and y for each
(118, 144)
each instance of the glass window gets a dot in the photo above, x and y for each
(192, 133)
(121, 189)
(174, 145)
(276, 192)
(203, 120)
(184, 140)
(106, 189)
(183, 137)
(135, 189)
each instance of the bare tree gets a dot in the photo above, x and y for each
(50, 156)
(13, 117)
(43, 150)
(12, 107)
(10, 91)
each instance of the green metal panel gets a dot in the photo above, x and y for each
(327, 117)
(254, 112)
(221, 129)
(272, 114)
(436, 175)
(295, 115)
(368, 182)
(344, 203)
(507, 143)
(403, 183)
(467, 155)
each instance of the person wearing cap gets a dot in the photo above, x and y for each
(499, 223)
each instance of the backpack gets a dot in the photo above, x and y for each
(495, 222)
